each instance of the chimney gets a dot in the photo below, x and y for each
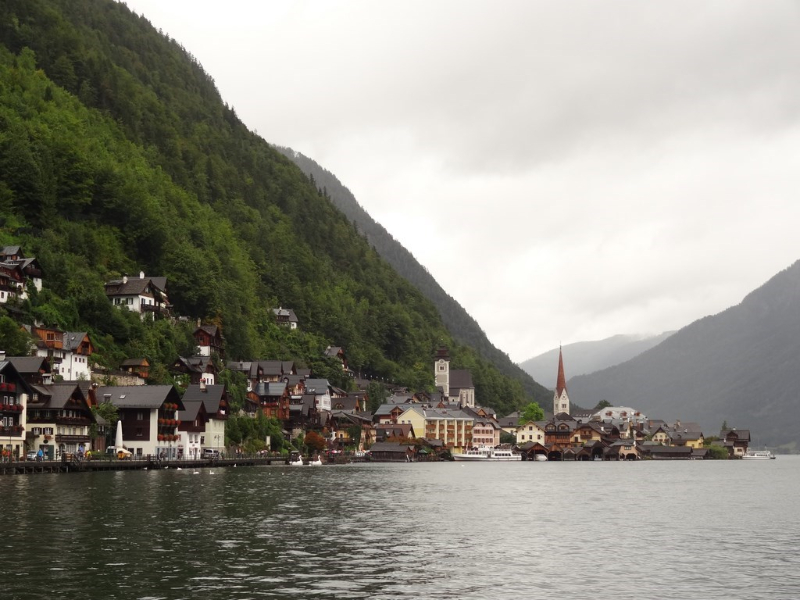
(106, 397)
(2, 354)
(198, 322)
(141, 274)
(203, 385)
(125, 278)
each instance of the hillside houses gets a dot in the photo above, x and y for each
(144, 295)
(48, 398)
(16, 272)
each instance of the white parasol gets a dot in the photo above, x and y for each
(118, 441)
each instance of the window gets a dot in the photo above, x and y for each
(138, 432)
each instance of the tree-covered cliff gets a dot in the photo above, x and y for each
(459, 323)
(117, 155)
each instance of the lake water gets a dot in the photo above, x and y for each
(696, 529)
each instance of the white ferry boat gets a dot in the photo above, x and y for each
(483, 453)
(473, 454)
(757, 455)
(503, 455)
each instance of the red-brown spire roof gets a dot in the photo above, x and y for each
(561, 383)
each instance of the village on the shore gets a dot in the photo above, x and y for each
(47, 400)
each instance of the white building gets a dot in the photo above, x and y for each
(143, 295)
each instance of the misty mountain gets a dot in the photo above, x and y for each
(741, 366)
(459, 323)
(581, 358)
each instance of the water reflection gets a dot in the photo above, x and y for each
(445, 530)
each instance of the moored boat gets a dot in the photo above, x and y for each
(484, 453)
(757, 455)
(473, 454)
(500, 454)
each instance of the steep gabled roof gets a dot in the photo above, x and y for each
(461, 379)
(191, 409)
(317, 386)
(60, 393)
(271, 367)
(28, 365)
(73, 339)
(270, 388)
(140, 396)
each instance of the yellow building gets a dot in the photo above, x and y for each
(415, 416)
(530, 432)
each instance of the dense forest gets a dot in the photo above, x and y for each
(459, 323)
(118, 155)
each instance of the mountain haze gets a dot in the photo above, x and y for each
(741, 366)
(460, 324)
(582, 358)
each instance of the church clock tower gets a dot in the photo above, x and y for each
(441, 370)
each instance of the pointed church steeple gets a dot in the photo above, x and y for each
(561, 382)
(560, 397)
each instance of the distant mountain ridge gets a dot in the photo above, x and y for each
(582, 358)
(458, 322)
(741, 366)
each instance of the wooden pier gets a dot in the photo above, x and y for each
(25, 467)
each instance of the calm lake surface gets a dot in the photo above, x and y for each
(682, 529)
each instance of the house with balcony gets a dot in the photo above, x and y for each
(136, 367)
(77, 350)
(684, 437)
(285, 317)
(206, 409)
(59, 418)
(35, 370)
(736, 441)
(14, 396)
(273, 398)
(199, 369)
(394, 432)
(558, 431)
(209, 340)
(337, 353)
(587, 433)
(17, 272)
(452, 427)
(342, 424)
(263, 371)
(146, 296)
(149, 417)
(68, 352)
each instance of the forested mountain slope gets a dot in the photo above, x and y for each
(459, 323)
(582, 358)
(117, 155)
(741, 366)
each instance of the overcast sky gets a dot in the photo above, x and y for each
(566, 170)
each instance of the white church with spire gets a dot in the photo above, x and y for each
(560, 397)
